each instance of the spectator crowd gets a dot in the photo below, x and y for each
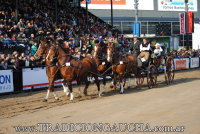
(19, 35)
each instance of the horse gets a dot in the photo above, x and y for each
(52, 71)
(101, 61)
(123, 65)
(74, 69)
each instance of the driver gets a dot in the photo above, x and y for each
(144, 52)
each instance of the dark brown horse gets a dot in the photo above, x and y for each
(123, 65)
(51, 68)
(101, 61)
(73, 69)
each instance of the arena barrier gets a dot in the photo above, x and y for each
(35, 78)
(6, 81)
(194, 62)
(182, 63)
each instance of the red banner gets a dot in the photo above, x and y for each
(190, 22)
(115, 2)
(182, 23)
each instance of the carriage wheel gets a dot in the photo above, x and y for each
(152, 76)
(169, 71)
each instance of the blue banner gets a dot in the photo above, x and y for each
(136, 29)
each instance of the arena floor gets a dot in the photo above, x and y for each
(174, 105)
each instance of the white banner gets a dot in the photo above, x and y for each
(6, 81)
(194, 62)
(177, 5)
(120, 4)
(195, 37)
(36, 78)
(181, 63)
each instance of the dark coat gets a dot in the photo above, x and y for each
(135, 48)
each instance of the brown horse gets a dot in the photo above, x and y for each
(73, 69)
(51, 68)
(101, 61)
(123, 65)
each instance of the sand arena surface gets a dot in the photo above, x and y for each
(174, 105)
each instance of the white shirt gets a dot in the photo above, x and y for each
(158, 51)
(144, 48)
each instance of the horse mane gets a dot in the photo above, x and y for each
(64, 49)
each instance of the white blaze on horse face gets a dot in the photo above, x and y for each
(47, 96)
(48, 54)
(108, 56)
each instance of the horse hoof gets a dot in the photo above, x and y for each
(121, 92)
(57, 98)
(85, 93)
(45, 100)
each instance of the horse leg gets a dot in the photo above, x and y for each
(71, 91)
(121, 84)
(104, 83)
(98, 85)
(135, 81)
(115, 81)
(79, 88)
(65, 87)
(47, 96)
(50, 89)
(86, 87)
(129, 82)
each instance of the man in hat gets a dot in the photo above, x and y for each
(144, 52)
(135, 46)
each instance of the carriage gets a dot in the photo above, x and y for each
(155, 66)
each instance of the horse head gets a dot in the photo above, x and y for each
(42, 49)
(110, 50)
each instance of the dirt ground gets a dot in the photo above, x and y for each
(166, 105)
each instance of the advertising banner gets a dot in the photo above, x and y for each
(119, 4)
(6, 81)
(195, 37)
(136, 29)
(35, 78)
(189, 22)
(174, 42)
(182, 23)
(194, 62)
(181, 63)
(177, 5)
